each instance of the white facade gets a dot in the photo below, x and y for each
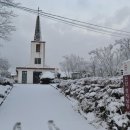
(30, 71)
(29, 76)
(40, 54)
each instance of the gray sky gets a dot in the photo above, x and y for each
(63, 39)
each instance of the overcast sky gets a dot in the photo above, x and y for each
(62, 39)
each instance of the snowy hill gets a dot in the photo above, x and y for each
(100, 100)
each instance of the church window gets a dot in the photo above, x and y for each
(37, 47)
(37, 60)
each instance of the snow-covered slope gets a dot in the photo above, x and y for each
(100, 98)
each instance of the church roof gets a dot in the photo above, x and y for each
(33, 68)
(37, 36)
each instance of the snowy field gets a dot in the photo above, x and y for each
(34, 105)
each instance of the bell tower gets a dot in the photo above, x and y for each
(37, 47)
(31, 73)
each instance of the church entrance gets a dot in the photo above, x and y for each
(36, 77)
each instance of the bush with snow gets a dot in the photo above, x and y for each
(6, 81)
(47, 77)
(47, 74)
(4, 92)
(6, 85)
(101, 97)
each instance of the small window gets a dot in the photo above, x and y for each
(37, 60)
(37, 47)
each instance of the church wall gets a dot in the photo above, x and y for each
(29, 74)
(19, 76)
(35, 54)
(43, 53)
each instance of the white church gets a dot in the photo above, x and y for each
(31, 74)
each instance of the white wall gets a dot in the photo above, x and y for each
(19, 76)
(35, 54)
(29, 74)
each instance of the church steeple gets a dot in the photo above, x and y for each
(37, 36)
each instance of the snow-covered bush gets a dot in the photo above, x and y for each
(6, 85)
(6, 81)
(47, 77)
(104, 97)
(4, 91)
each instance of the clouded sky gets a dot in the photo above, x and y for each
(62, 39)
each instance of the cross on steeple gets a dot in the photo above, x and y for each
(39, 10)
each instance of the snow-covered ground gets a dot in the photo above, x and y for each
(34, 105)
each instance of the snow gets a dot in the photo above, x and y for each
(100, 98)
(34, 105)
(48, 75)
(120, 119)
(5, 80)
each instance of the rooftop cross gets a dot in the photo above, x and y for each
(39, 11)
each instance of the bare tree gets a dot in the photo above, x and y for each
(65, 67)
(6, 16)
(104, 60)
(118, 60)
(4, 66)
(93, 66)
(73, 63)
(124, 47)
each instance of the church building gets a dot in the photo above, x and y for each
(31, 74)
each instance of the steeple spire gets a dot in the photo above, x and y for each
(37, 36)
(38, 10)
